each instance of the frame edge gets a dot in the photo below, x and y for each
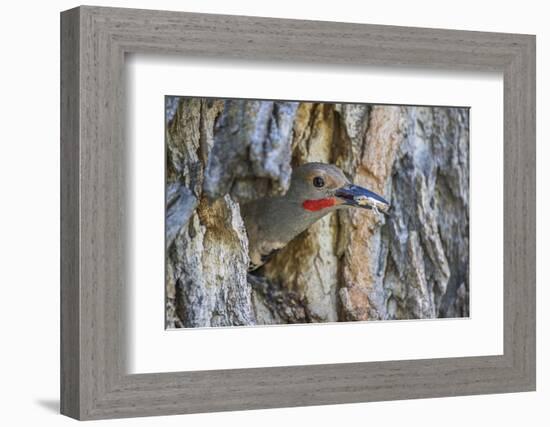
(70, 403)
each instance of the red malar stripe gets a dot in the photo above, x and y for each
(316, 205)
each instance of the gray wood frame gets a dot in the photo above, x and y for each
(94, 383)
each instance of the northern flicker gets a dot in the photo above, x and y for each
(316, 189)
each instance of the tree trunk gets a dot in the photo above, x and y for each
(351, 265)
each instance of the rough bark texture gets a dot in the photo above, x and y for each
(353, 265)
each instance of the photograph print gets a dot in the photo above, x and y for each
(289, 212)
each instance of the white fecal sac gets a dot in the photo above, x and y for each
(369, 201)
(362, 200)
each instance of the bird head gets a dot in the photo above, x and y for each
(320, 187)
(316, 189)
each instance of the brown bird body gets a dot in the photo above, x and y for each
(316, 189)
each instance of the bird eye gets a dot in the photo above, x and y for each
(318, 182)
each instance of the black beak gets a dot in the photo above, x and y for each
(361, 197)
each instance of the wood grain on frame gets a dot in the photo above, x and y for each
(94, 271)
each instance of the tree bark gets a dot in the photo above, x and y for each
(351, 265)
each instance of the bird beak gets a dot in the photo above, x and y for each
(354, 195)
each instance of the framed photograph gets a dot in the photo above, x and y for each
(261, 213)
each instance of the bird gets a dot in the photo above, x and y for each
(315, 190)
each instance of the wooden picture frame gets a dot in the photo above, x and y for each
(94, 41)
